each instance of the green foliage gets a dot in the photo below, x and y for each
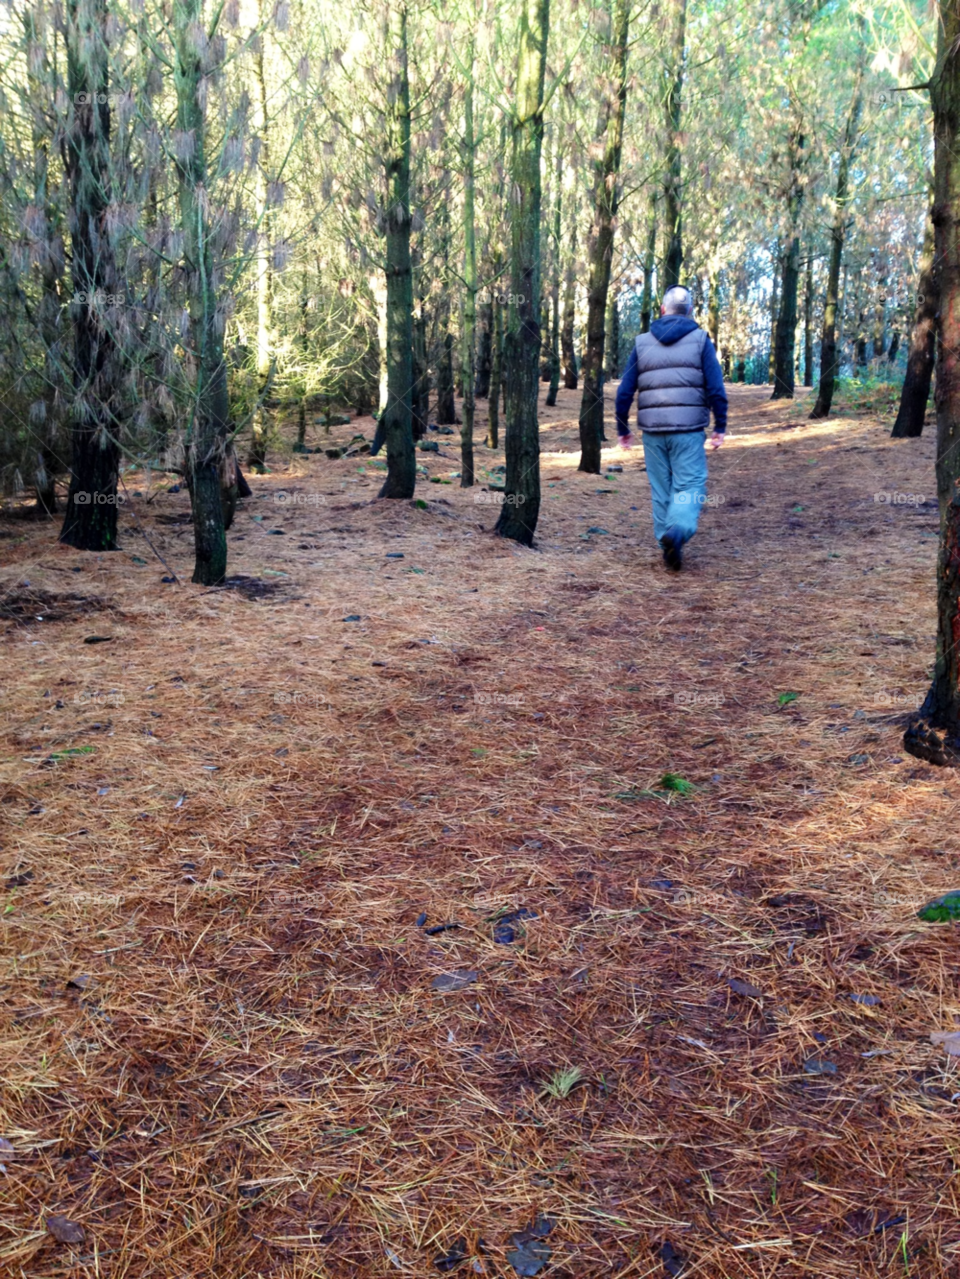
(941, 910)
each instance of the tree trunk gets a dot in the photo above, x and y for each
(257, 457)
(521, 505)
(808, 324)
(555, 361)
(646, 299)
(496, 370)
(672, 183)
(774, 315)
(830, 351)
(446, 402)
(396, 422)
(934, 734)
(90, 521)
(484, 351)
(567, 348)
(785, 337)
(611, 349)
(47, 251)
(207, 447)
(609, 132)
(468, 355)
(920, 357)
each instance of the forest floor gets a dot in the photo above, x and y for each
(229, 1049)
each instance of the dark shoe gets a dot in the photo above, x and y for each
(672, 543)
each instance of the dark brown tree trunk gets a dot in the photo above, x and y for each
(521, 499)
(496, 378)
(605, 201)
(934, 734)
(484, 350)
(611, 349)
(649, 260)
(90, 522)
(920, 358)
(774, 315)
(672, 182)
(567, 348)
(446, 404)
(808, 324)
(830, 353)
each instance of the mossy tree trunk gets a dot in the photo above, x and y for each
(521, 349)
(496, 374)
(934, 734)
(609, 141)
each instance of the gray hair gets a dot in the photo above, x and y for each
(677, 301)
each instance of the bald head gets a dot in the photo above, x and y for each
(677, 301)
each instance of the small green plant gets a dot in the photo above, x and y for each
(786, 698)
(563, 1082)
(677, 784)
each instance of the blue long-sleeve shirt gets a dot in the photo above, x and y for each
(712, 377)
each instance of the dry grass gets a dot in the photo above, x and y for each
(253, 1074)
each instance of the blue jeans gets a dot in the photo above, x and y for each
(677, 471)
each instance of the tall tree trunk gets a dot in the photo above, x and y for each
(808, 324)
(446, 402)
(521, 505)
(880, 312)
(713, 304)
(555, 361)
(567, 348)
(265, 335)
(209, 409)
(934, 734)
(420, 395)
(605, 201)
(496, 379)
(484, 350)
(611, 348)
(468, 355)
(784, 369)
(90, 521)
(774, 316)
(47, 252)
(923, 340)
(649, 261)
(830, 351)
(672, 182)
(396, 422)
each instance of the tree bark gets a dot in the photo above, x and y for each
(920, 358)
(496, 371)
(484, 351)
(521, 505)
(469, 349)
(555, 360)
(934, 734)
(774, 315)
(830, 352)
(605, 201)
(396, 421)
(672, 183)
(90, 521)
(784, 365)
(257, 457)
(611, 347)
(649, 261)
(808, 324)
(567, 348)
(207, 449)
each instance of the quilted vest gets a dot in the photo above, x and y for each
(671, 391)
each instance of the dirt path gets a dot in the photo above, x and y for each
(223, 825)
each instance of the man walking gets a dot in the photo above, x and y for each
(677, 378)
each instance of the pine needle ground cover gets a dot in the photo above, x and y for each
(351, 926)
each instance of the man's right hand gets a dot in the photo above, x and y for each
(626, 441)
